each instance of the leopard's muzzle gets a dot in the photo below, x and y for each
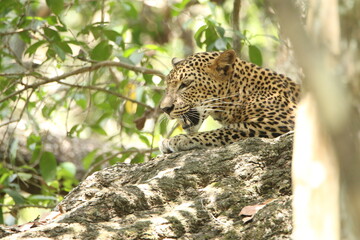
(190, 120)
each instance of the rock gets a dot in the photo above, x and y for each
(194, 194)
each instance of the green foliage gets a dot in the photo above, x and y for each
(255, 55)
(56, 6)
(212, 35)
(76, 69)
(48, 166)
(101, 52)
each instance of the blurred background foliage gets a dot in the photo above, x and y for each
(81, 81)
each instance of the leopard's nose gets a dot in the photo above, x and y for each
(168, 109)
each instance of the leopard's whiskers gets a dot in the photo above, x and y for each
(187, 118)
(214, 110)
(191, 114)
(220, 98)
(221, 105)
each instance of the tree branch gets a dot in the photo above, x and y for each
(79, 71)
(2, 34)
(9, 122)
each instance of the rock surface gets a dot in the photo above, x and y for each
(196, 194)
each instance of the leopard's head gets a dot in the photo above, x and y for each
(195, 84)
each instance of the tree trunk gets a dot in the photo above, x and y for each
(327, 178)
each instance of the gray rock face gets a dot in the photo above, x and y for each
(195, 194)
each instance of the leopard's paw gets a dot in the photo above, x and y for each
(176, 144)
(165, 147)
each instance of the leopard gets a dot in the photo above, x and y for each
(246, 99)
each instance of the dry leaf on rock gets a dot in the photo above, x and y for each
(250, 211)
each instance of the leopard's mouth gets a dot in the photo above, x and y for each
(190, 119)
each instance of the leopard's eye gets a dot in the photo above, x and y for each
(184, 84)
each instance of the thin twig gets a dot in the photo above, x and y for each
(9, 122)
(153, 132)
(20, 74)
(7, 129)
(24, 206)
(106, 91)
(102, 11)
(2, 34)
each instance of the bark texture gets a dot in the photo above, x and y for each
(188, 195)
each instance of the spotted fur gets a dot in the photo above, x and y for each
(248, 100)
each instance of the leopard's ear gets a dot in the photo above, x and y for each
(176, 61)
(223, 63)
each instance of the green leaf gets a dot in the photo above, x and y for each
(48, 166)
(178, 7)
(114, 36)
(47, 110)
(80, 100)
(139, 158)
(12, 177)
(27, 168)
(122, 158)
(198, 35)
(4, 177)
(61, 28)
(66, 170)
(24, 176)
(52, 34)
(156, 97)
(97, 31)
(221, 31)
(65, 47)
(73, 129)
(13, 149)
(163, 127)
(255, 55)
(56, 6)
(155, 47)
(130, 9)
(32, 141)
(145, 140)
(98, 129)
(54, 185)
(32, 49)
(89, 159)
(103, 117)
(36, 154)
(18, 199)
(50, 53)
(101, 52)
(210, 36)
(34, 144)
(81, 103)
(51, 20)
(25, 36)
(59, 51)
(136, 57)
